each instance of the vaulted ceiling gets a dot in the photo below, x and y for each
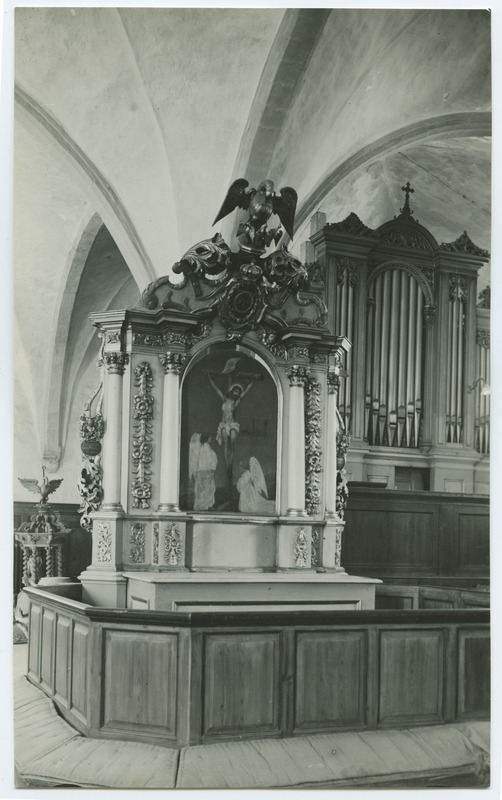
(132, 123)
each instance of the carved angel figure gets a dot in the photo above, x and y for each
(44, 489)
(261, 203)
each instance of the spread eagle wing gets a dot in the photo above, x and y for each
(53, 485)
(237, 195)
(31, 484)
(285, 208)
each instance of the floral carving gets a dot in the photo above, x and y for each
(430, 314)
(137, 543)
(405, 238)
(318, 358)
(172, 363)
(317, 276)
(315, 546)
(172, 545)
(113, 337)
(155, 554)
(298, 352)
(149, 339)
(338, 548)
(142, 439)
(104, 545)
(312, 445)
(342, 494)
(301, 548)
(92, 429)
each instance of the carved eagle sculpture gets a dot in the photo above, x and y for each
(261, 203)
(44, 489)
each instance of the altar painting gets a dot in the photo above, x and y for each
(229, 436)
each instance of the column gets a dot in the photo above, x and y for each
(112, 441)
(331, 447)
(298, 376)
(172, 364)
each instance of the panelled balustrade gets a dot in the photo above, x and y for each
(176, 679)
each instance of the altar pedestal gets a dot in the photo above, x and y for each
(238, 591)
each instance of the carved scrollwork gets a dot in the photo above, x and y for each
(142, 438)
(155, 553)
(484, 297)
(351, 224)
(301, 549)
(313, 451)
(338, 548)
(342, 494)
(137, 543)
(104, 545)
(173, 546)
(347, 267)
(315, 546)
(483, 338)
(269, 340)
(464, 245)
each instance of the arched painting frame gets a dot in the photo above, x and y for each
(229, 434)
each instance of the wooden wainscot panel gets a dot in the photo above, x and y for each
(34, 642)
(140, 683)
(473, 674)
(79, 655)
(62, 672)
(241, 684)
(47, 653)
(330, 680)
(411, 675)
(473, 544)
(392, 541)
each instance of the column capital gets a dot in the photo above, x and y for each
(116, 362)
(172, 362)
(333, 378)
(430, 314)
(298, 375)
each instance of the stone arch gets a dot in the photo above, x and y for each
(73, 342)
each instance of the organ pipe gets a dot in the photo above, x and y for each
(395, 360)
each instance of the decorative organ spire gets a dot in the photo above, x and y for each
(406, 210)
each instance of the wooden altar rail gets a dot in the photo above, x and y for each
(186, 678)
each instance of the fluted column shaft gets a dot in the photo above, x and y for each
(172, 364)
(331, 448)
(297, 375)
(112, 441)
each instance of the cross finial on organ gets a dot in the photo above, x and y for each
(406, 208)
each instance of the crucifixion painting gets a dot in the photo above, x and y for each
(233, 399)
(229, 428)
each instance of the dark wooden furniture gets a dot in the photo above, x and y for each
(177, 679)
(430, 538)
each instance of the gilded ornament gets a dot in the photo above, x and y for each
(172, 545)
(137, 543)
(313, 451)
(142, 447)
(301, 549)
(104, 542)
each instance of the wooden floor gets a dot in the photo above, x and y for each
(51, 753)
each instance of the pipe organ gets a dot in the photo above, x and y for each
(419, 343)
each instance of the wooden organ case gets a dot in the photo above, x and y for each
(416, 395)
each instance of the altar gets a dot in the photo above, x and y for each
(223, 451)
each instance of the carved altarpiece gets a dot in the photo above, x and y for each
(219, 459)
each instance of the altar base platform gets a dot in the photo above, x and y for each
(251, 591)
